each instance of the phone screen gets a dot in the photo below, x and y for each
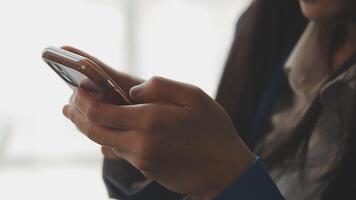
(71, 76)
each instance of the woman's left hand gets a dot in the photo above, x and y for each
(175, 134)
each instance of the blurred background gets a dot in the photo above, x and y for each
(42, 156)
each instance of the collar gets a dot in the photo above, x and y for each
(307, 67)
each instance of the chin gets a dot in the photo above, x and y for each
(324, 9)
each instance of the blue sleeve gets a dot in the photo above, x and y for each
(254, 184)
(116, 174)
(150, 191)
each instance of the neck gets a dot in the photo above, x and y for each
(347, 48)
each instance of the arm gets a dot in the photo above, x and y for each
(255, 183)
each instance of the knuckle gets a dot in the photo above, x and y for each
(143, 165)
(197, 90)
(90, 131)
(144, 160)
(155, 81)
(72, 116)
(76, 98)
(197, 94)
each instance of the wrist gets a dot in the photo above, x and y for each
(241, 159)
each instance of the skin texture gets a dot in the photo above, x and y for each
(175, 134)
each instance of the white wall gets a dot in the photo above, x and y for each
(184, 39)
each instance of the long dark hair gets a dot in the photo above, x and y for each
(265, 33)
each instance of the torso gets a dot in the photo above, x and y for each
(307, 71)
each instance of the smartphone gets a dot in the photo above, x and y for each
(75, 69)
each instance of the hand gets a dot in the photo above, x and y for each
(176, 135)
(125, 81)
(128, 178)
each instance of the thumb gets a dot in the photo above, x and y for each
(159, 89)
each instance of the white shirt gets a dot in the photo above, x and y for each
(307, 69)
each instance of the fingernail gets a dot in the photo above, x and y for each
(75, 92)
(135, 91)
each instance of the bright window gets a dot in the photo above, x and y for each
(42, 155)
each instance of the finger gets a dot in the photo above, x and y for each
(71, 100)
(125, 81)
(109, 153)
(114, 116)
(92, 89)
(84, 54)
(159, 89)
(99, 134)
(89, 86)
